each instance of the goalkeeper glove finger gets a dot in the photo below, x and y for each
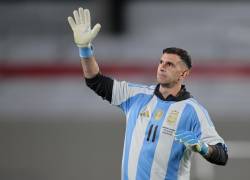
(191, 141)
(81, 27)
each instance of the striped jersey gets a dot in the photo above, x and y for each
(150, 151)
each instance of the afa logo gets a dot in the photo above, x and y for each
(172, 117)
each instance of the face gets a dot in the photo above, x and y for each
(171, 70)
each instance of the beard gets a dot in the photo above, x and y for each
(169, 84)
(167, 81)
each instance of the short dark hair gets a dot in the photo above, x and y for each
(183, 54)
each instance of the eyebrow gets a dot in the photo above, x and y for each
(172, 62)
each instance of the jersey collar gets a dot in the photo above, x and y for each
(182, 94)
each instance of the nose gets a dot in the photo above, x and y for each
(164, 65)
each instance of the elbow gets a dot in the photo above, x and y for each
(224, 162)
(220, 162)
(219, 155)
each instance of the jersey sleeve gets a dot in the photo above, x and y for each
(204, 127)
(124, 93)
(101, 85)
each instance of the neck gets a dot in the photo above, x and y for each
(166, 91)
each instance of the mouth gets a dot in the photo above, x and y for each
(162, 75)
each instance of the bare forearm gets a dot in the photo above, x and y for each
(90, 67)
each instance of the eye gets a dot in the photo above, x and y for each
(170, 64)
(161, 61)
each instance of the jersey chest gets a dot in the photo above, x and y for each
(158, 121)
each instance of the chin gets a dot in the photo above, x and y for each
(162, 81)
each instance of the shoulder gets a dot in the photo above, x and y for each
(141, 86)
(134, 87)
(199, 111)
(195, 105)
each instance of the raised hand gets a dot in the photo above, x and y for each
(81, 27)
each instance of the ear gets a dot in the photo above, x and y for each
(184, 74)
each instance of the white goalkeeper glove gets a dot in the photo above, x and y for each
(83, 34)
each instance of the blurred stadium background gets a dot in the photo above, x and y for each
(53, 127)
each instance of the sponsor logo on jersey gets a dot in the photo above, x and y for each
(145, 113)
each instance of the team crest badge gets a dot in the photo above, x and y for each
(172, 117)
(158, 114)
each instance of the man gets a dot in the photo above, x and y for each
(164, 123)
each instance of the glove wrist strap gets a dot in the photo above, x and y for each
(204, 149)
(86, 52)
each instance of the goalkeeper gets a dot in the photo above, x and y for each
(164, 123)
